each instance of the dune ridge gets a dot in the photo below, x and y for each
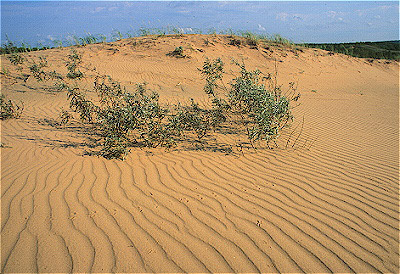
(329, 204)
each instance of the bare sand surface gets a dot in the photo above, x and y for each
(329, 204)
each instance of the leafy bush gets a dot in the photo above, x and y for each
(262, 110)
(9, 109)
(16, 59)
(122, 118)
(177, 52)
(265, 112)
(37, 71)
(212, 72)
(193, 118)
(72, 63)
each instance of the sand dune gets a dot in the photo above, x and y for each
(330, 204)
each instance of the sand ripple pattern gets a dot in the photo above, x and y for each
(198, 212)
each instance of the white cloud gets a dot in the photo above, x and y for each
(183, 11)
(51, 38)
(282, 16)
(331, 14)
(98, 9)
(261, 28)
(385, 7)
(128, 4)
(112, 8)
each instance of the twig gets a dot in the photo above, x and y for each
(290, 136)
(301, 130)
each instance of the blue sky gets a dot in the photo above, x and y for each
(300, 21)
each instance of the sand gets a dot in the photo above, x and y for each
(328, 204)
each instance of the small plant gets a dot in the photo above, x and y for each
(103, 38)
(16, 59)
(59, 86)
(212, 72)
(262, 110)
(9, 109)
(80, 104)
(58, 43)
(117, 35)
(177, 52)
(37, 71)
(65, 117)
(235, 42)
(72, 63)
(5, 71)
(193, 118)
(252, 39)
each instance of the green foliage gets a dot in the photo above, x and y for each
(262, 110)
(88, 39)
(277, 38)
(72, 63)
(65, 117)
(193, 118)
(36, 69)
(126, 119)
(177, 52)
(377, 50)
(16, 59)
(59, 86)
(117, 35)
(123, 119)
(9, 109)
(80, 104)
(212, 71)
(265, 112)
(252, 39)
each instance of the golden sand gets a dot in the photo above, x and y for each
(330, 204)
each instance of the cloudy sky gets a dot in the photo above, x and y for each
(300, 21)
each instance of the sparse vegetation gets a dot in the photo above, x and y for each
(252, 103)
(16, 59)
(72, 63)
(123, 119)
(177, 52)
(10, 109)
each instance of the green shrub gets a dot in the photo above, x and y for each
(177, 52)
(262, 110)
(212, 72)
(36, 69)
(80, 104)
(16, 59)
(193, 118)
(72, 63)
(9, 109)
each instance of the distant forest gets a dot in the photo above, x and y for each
(377, 50)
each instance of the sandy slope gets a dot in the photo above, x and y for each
(333, 207)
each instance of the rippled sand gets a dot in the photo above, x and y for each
(329, 204)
